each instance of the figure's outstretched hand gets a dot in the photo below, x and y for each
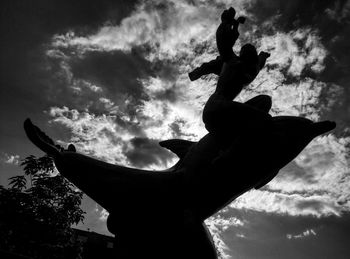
(241, 19)
(264, 54)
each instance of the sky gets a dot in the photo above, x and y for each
(111, 77)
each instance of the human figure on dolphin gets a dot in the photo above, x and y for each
(229, 28)
(226, 37)
(221, 111)
(236, 72)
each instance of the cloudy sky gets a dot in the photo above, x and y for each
(111, 77)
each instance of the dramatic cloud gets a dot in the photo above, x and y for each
(316, 183)
(295, 51)
(292, 204)
(340, 11)
(167, 27)
(219, 224)
(144, 152)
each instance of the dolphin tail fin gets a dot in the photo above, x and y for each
(178, 146)
(40, 139)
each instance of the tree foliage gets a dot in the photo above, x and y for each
(37, 211)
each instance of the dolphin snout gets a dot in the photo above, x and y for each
(319, 128)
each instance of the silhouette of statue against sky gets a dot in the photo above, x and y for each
(160, 214)
(220, 110)
(226, 36)
(235, 72)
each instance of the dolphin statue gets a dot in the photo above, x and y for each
(160, 214)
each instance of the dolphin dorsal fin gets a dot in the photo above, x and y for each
(178, 146)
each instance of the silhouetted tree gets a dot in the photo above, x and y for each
(37, 211)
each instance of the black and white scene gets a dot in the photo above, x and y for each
(175, 129)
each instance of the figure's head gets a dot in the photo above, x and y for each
(228, 15)
(248, 53)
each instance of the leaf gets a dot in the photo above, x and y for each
(34, 166)
(18, 182)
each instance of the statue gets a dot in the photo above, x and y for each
(160, 214)
(226, 36)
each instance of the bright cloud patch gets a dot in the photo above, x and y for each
(306, 233)
(10, 159)
(289, 204)
(295, 51)
(168, 28)
(219, 224)
(104, 138)
(103, 214)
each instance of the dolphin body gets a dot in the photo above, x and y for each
(160, 214)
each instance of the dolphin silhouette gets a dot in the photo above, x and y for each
(160, 214)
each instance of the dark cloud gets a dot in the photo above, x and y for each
(134, 128)
(170, 94)
(265, 236)
(176, 128)
(293, 14)
(337, 72)
(117, 72)
(331, 20)
(145, 152)
(35, 20)
(25, 27)
(165, 69)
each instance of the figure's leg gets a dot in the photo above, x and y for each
(214, 66)
(227, 118)
(262, 102)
